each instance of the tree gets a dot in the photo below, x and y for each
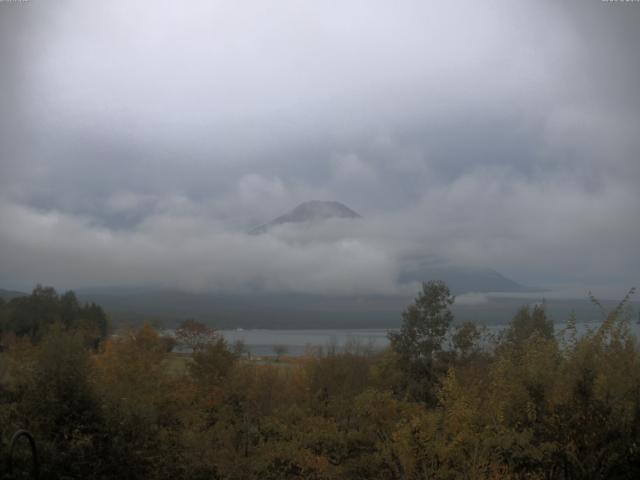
(142, 406)
(527, 322)
(466, 339)
(195, 335)
(32, 315)
(61, 407)
(419, 341)
(240, 348)
(92, 321)
(279, 350)
(212, 363)
(69, 309)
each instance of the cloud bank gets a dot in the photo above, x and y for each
(140, 141)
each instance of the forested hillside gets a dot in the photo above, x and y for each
(445, 400)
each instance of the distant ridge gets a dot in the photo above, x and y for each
(311, 211)
(461, 279)
(9, 294)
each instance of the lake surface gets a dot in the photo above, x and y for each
(296, 342)
(262, 342)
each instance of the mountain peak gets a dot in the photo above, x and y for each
(310, 211)
(318, 209)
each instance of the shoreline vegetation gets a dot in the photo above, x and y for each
(442, 400)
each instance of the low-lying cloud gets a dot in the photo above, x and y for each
(140, 142)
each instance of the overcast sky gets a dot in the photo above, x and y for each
(140, 140)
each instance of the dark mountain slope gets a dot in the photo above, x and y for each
(312, 211)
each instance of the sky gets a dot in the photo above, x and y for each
(140, 141)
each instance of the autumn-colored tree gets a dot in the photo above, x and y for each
(530, 404)
(467, 340)
(143, 404)
(212, 362)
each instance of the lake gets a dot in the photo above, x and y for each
(262, 342)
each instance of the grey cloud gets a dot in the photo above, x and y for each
(495, 133)
(186, 252)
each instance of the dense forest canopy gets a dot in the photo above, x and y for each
(444, 400)
(33, 315)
